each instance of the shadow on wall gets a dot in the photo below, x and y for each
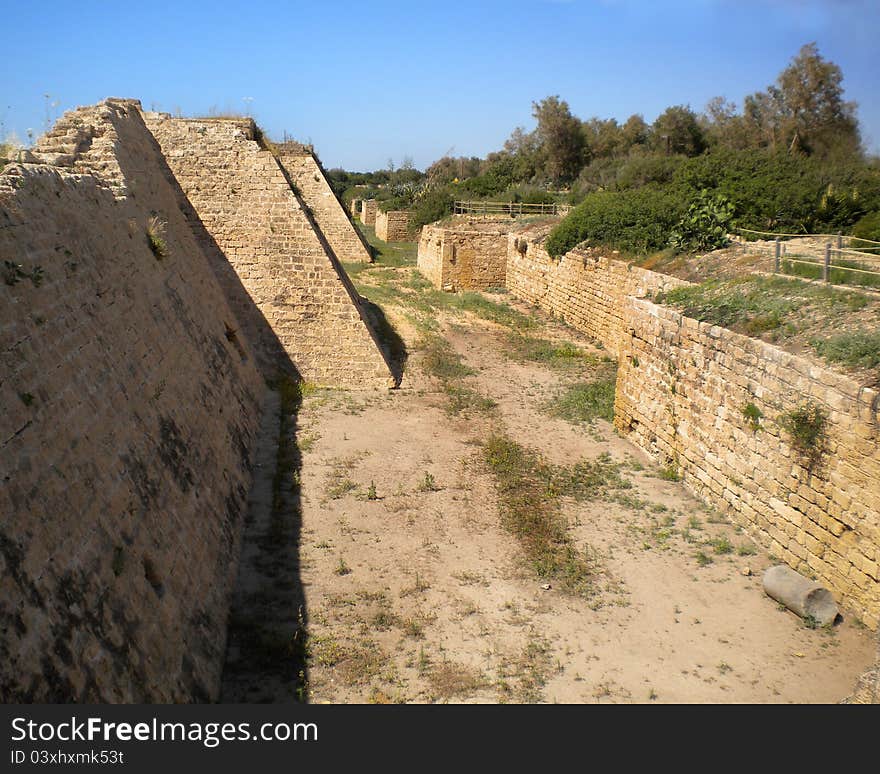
(268, 349)
(268, 621)
(392, 344)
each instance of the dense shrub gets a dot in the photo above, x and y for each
(643, 170)
(631, 221)
(866, 231)
(433, 204)
(783, 192)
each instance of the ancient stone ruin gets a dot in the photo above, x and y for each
(157, 273)
(392, 226)
(680, 392)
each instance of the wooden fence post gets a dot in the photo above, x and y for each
(826, 266)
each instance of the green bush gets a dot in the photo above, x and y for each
(639, 171)
(866, 231)
(859, 349)
(783, 192)
(635, 222)
(806, 428)
(432, 205)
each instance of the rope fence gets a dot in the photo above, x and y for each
(508, 208)
(816, 256)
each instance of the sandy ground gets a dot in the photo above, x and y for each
(411, 591)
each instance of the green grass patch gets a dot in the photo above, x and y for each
(530, 511)
(585, 402)
(440, 360)
(753, 304)
(559, 355)
(860, 349)
(837, 274)
(463, 399)
(394, 254)
(587, 479)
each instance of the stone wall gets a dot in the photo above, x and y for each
(585, 288)
(354, 208)
(369, 208)
(129, 416)
(306, 175)
(268, 252)
(392, 226)
(682, 390)
(466, 255)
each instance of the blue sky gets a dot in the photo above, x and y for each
(368, 81)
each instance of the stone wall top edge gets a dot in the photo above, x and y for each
(763, 349)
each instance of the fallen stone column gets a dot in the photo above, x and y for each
(801, 595)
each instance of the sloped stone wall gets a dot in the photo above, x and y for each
(125, 440)
(279, 260)
(308, 178)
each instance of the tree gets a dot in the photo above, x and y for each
(805, 110)
(724, 127)
(602, 138)
(561, 138)
(677, 130)
(634, 132)
(523, 150)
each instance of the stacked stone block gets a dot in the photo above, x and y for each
(125, 440)
(686, 392)
(369, 208)
(585, 288)
(307, 177)
(466, 255)
(274, 264)
(392, 226)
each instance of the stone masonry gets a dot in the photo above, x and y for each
(129, 414)
(369, 208)
(585, 288)
(681, 392)
(392, 226)
(267, 250)
(307, 177)
(465, 254)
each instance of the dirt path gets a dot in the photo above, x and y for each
(384, 562)
(417, 594)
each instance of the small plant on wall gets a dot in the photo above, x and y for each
(156, 237)
(807, 430)
(752, 415)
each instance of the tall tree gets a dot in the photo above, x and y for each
(562, 142)
(602, 138)
(805, 110)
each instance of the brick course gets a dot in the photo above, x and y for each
(307, 176)
(392, 226)
(307, 305)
